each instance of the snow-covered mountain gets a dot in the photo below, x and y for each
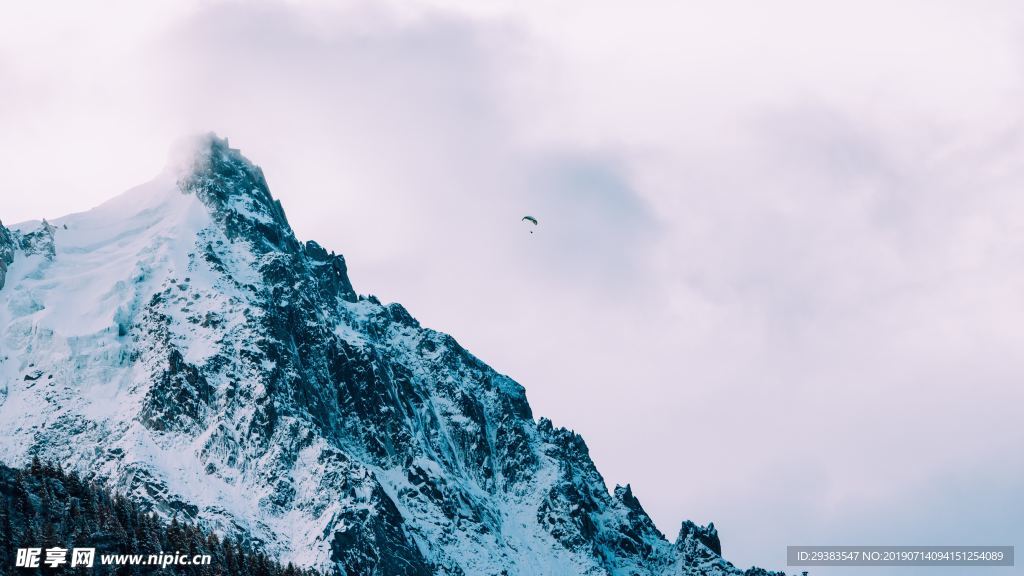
(180, 344)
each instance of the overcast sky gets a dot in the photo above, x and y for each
(778, 281)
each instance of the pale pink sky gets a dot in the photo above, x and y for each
(779, 277)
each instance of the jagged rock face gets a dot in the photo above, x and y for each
(706, 535)
(180, 344)
(7, 247)
(38, 241)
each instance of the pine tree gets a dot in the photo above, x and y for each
(6, 535)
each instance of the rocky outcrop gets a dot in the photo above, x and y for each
(7, 246)
(39, 241)
(706, 535)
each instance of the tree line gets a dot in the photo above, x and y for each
(43, 506)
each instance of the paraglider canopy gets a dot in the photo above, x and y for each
(531, 220)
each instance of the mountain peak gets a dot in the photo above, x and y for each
(195, 152)
(234, 189)
(183, 348)
(706, 535)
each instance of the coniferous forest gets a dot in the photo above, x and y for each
(43, 506)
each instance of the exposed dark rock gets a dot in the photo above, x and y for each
(7, 247)
(178, 397)
(706, 535)
(39, 241)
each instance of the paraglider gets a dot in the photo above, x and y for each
(531, 220)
